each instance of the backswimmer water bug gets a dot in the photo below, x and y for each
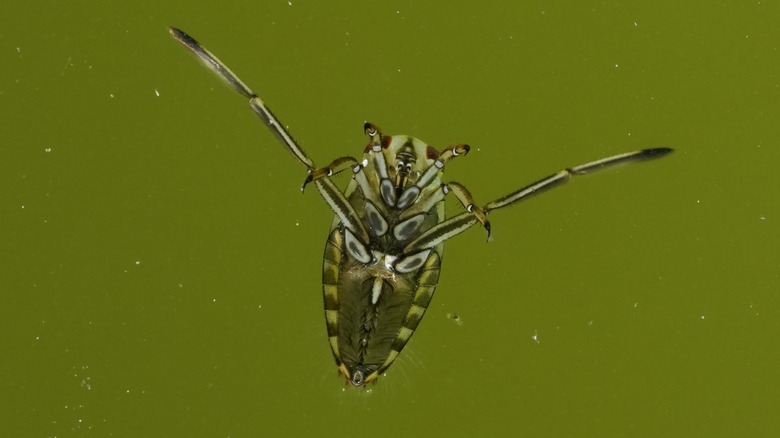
(383, 252)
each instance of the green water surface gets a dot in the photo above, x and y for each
(160, 270)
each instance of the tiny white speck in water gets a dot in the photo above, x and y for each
(22, 207)
(137, 262)
(762, 217)
(535, 336)
(289, 3)
(18, 50)
(702, 317)
(47, 150)
(111, 95)
(157, 93)
(455, 317)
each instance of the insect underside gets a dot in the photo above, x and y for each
(384, 250)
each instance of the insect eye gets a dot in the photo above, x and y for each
(408, 166)
(400, 165)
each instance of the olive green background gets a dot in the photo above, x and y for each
(160, 270)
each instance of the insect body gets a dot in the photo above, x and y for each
(383, 254)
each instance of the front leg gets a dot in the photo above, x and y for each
(337, 166)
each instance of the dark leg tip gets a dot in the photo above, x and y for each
(306, 182)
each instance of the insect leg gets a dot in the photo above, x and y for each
(564, 175)
(366, 187)
(442, 231)
(426, 202)
(374, 151)
(411, 194)
(450, 227)
(215, 65)
(335, 198)
(337, 166)
(430, 198)
(467, 200)
(457, 224)
(450, 152)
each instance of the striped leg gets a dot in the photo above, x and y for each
(412, 193)
(337, 166)
(564, 175)
(422, 201)
(457, 224)
(332, 195)
(215, 65)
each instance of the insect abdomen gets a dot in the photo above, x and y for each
(370, 311)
